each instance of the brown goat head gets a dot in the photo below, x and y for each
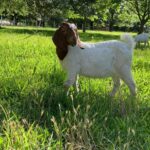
(64, 36)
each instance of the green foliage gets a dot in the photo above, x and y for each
(107, 14)
(1, 7)
(46, 8)
(36, 113)
(15, 7)
(112, 12)
(140, 9)
(126, 19)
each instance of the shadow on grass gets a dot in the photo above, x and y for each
(97, 37)
(49, 32)
(31, 31)
(37, 103)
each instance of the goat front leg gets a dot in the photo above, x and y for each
(116, 81)
(76, 84)
(70, 81)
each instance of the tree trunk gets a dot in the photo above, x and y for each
(141, 28)
(54, 24)
(111, 25)
(84, 24)
(91, 25)
(15, 20)
(111, 19)
(43, 23)
(1, 21)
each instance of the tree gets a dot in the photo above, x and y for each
(107, 12)
(127, 19)
(141, 8)
(84, 8)
(112, 12)
(1, 6)
(1, 11)
(42, 10)
(15, 8)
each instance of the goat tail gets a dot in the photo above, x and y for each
(128, 39)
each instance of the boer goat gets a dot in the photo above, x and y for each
(142, 38)
(104, 59)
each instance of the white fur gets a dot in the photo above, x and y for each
(104, 59)
(142, 38)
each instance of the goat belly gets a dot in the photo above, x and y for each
(97, 62)
(96, 74)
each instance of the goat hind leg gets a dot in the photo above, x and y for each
(116, 86)
(126, 76)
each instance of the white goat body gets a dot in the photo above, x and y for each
(142, 38)
(104, 59)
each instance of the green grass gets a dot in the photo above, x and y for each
(35, 112)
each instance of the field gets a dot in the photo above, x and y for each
(36, 113)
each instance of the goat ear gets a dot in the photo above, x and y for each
(79, 43)
(64, 26)
(60, 43)
(58, 38)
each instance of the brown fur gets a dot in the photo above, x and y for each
(79, 43)
(61, 40)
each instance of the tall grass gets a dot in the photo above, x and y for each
(36, 113)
